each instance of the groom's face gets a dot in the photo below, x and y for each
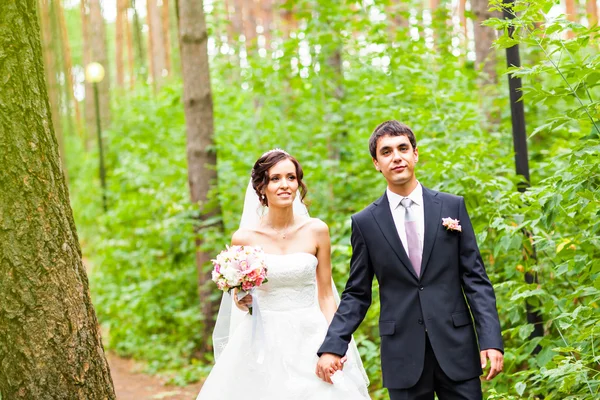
(396, 159)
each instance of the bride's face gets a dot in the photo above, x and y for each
(283, 184)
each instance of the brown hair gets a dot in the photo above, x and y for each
(260, 173)
(390, 128)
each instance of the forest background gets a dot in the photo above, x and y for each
(315, 77)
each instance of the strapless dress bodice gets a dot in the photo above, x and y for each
(292, 282)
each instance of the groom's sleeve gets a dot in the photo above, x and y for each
(477, 287)
(356, 298)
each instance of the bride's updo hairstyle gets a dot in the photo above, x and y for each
(260, 173)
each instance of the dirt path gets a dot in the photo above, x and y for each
(133, 385)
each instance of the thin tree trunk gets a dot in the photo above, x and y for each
(571, 11)
(63, 104)
(51, 68)
(129, 43)
(100, 55)
(139, 42)
(155, 44)
(238, 19)
(119, 33)
(462, 9)
(50, 343)
(202, 158)
(165, 34)
(591, 8)
(485, 55)
(89, 112)
(289, 22)
(249, 13)
(229, 16)
(266, 20)
(68, 59)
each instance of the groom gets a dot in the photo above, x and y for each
(438, 321)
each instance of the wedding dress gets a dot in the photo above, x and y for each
(294, 327)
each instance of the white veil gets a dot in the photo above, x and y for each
(230, 316)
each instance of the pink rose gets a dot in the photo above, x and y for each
(451, 224)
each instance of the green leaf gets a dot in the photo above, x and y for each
(520, 388)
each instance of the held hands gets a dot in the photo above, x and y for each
(244, 303)
(496, 362)
(328, 364)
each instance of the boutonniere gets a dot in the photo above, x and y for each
(451, 224)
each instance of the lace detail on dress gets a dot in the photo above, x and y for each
(292, 283)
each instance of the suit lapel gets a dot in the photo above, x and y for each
(383, 218)
(432, 208)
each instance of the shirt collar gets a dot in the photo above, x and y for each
(416, 196)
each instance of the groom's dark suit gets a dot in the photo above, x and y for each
(453, 286)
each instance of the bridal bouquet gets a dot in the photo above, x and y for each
(240, 267)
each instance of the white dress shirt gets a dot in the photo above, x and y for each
(398, 213)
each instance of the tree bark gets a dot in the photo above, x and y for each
(249, 13)
(68, 59)
(119, 33)
(238, 20)
(485, 55)
(156, 50)
(591, 9)
(88, 101)
(571, 12)
(50, 58)
(266, 21)
(201, 156)
(50, 345)
(462, 8)
(129, 44)
(139, 41)
(100, 55)
(165, 34)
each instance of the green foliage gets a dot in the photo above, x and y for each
(141, 251)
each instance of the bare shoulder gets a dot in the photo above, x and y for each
(242, 237)
(317, 226)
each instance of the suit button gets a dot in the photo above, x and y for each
(420, 321)
(421, 288)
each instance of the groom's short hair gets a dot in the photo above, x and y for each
(390, 128)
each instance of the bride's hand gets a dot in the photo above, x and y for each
(244, 303)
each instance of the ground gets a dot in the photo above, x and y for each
(130, 384)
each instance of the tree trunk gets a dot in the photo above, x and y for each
(571, 12)
(591, 9)
(68, 59)
(238, 20)
(201, 156)
(89, 111)
(100, 55)
(165, 34)
(129, 43)
(50, 58)
(266, 21)
(249, 13)
(156, 50)
(485, 55)
(119, 33)
(462, 9)
(139, 41)
(50, 344)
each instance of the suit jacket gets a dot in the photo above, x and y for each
(452, 291)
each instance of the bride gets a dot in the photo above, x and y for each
(271, 354)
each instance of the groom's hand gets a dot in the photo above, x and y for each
(496, 362)
(327, 365)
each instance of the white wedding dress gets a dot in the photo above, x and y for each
(294, 328)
